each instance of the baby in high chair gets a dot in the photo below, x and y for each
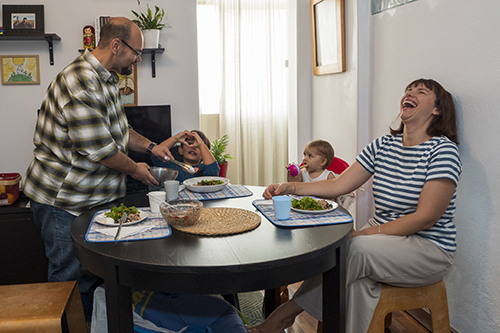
(318, 155)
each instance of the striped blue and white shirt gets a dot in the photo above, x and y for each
(400, 174)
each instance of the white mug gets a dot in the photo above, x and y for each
(153, 204)
(172, 189)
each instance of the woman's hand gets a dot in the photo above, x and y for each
(365, 232)
(277, 189)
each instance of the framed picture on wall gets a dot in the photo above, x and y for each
(128, 88)
(23, 20)
(328, 44)
(20, 69)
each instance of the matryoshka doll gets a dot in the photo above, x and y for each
(88, 37)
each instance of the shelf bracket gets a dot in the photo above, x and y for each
(51, 50)
(153, 64)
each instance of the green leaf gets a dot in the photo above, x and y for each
(218, 149)
(149, 20)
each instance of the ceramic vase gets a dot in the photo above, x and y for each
(223, 170)
(151, 38)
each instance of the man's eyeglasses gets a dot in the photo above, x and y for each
(137, 53)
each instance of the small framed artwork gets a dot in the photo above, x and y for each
(328, 44)
(128, 88)
(23, 20)
(20, 69)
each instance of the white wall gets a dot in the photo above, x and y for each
(334, 97)
(335, 101)
(455, 43)
(300, 79)
(176, 81)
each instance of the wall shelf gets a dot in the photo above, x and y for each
(153, 53)
(47, 37)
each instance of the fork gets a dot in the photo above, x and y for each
(122, 219)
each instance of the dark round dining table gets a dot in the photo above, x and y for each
(261, 259)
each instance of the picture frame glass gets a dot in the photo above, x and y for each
(128, 88)
(326, 37)
(20, 69)
(23, 21)
(327, 27)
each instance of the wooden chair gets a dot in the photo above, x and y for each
(39, 307)
(399, 299)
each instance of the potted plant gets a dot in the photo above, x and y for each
(218, 149)
(151, 24)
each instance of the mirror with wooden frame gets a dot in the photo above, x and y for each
(327, 25)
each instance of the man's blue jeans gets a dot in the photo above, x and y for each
(55, 225)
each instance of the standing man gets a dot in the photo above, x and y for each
(81, 141)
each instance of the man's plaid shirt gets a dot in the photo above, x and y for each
(81, 122)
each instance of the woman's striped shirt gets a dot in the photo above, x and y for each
(400, 174)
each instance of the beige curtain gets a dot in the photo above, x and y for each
(252, 44)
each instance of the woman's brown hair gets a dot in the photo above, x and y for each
(445, 123)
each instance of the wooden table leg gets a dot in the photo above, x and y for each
(118, 304)
(334, 294)
(271, 300)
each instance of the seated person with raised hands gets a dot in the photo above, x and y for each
(195, 151)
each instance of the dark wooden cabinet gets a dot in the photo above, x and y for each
(22, 252)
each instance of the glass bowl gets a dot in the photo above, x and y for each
(181, 212)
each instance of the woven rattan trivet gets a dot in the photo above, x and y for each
(222, 221)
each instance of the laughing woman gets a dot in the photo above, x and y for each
(410, 242)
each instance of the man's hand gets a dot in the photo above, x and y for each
(162, 153)
(142, 174)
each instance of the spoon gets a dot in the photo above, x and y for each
(158, 201)
(179, 206)
(184, 166)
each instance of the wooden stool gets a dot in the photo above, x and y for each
(399, 299)
(39, 307)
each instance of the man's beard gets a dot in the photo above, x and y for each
(127, 70)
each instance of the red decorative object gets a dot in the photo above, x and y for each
(223, 170)
(88, 37)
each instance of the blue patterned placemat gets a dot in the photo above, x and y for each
(230, 191)
(160, 229)
(296, 219)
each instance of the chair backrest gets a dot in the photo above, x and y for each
(338, 165)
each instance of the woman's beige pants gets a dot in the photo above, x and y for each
(405, 261)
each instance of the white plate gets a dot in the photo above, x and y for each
(191, 184)
(102, 219)
(333, 203)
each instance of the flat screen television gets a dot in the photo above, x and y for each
(153, 122)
